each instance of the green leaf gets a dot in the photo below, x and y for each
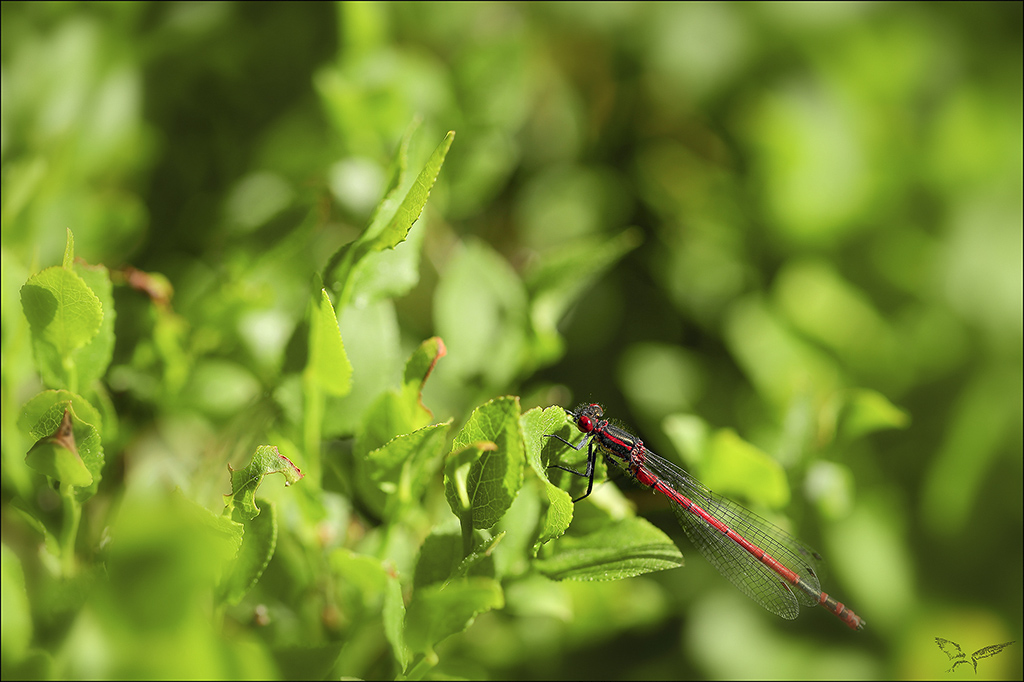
(478, 555)
(393, 614)
(438, 611)
(865, 411)
(231, 532)
(439, 556)
(74, 459)
(689, 434)
(493, 480)
(64, 314)
(456, 476)
(480, 309)
(390, 224)
(388, 232)
(737, 468)
(69, 251)
(370, 587)
(519, 529)
(258, 544)
(45, 403)
(57, 456)
(241, 501)
(373, 345)
(393, 415)
(406, 450)
(387, 274)
(402, 468)
(399, 165)
(92, 359)
(328, 364)
(625, 549)
(249, 560)
(397, 412)
(537, 424)
(419, 367)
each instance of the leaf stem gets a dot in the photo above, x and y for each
(466, 521)
(69, 529)
(71, 371)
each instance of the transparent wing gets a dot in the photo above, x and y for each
(752, 576)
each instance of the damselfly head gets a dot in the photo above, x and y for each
(593, 410)
(587, 416)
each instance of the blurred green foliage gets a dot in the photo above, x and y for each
(782, 241)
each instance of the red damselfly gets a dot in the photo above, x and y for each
(768, 564)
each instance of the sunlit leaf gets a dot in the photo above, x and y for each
(390, 232)
(67, 444)
(372, 343)
(625, 549)
(57, 455)
(63, 314)
(402, 468)
(867, 411)
(537, 425)
(391, 222)
(244, 482)
(737, 468)
(328, 364)
(493, 480)
(398, 412)
(92, 359)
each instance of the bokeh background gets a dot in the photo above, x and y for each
(812, 200)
